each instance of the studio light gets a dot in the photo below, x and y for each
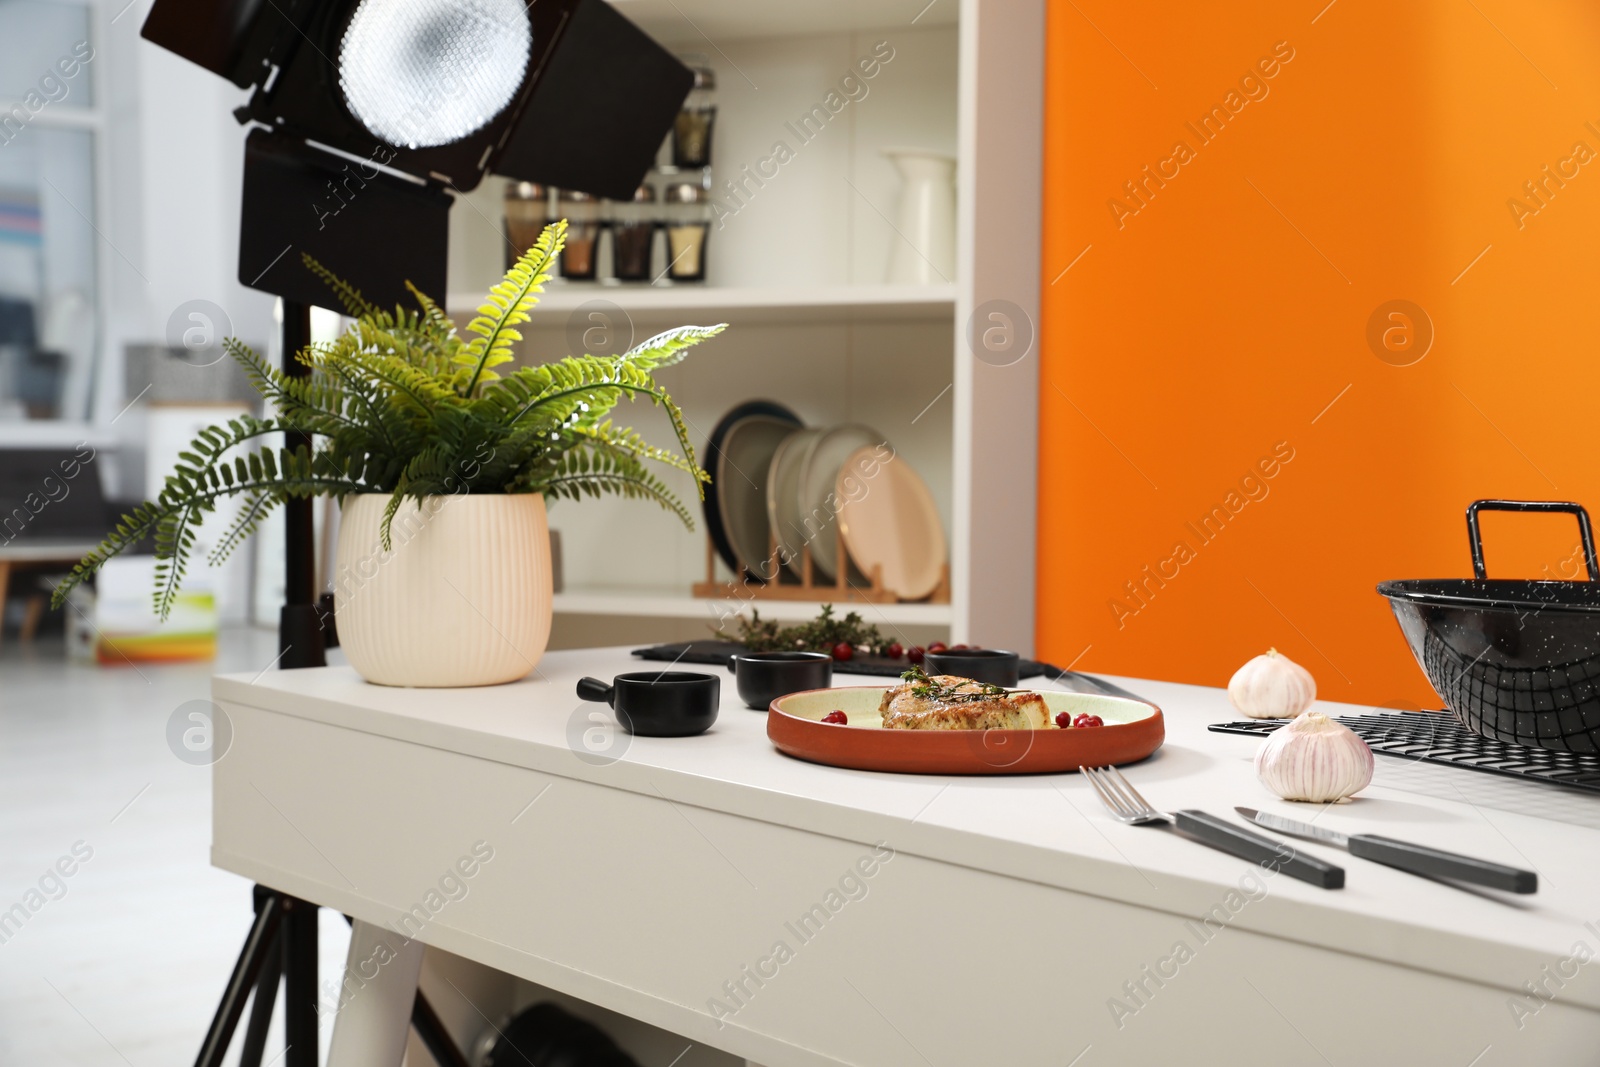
(415, 99)
(419, 76)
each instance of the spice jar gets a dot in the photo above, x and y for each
(527, 213)
(691, 133)
(633, 231)
(579, 258)
(688, 224)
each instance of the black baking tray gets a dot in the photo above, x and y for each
(881, 666)
(717, 652)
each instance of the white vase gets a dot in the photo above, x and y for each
(924, 251)
(461, 598)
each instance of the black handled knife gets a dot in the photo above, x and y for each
(1403, 855)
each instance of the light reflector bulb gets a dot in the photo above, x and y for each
(423, 73)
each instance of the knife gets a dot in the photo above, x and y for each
(1415, 859)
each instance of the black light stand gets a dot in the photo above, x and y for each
(299, 645)
(299, 936)
(324, 176)
(300, 640)
(259, 945)
(283, 939)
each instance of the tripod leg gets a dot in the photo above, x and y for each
(300, 984)
(258, 946)
(255, 1031)
(429, 1027)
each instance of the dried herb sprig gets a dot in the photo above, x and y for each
(819, 635)
(928, 689)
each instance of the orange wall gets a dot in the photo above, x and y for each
(1227, 313)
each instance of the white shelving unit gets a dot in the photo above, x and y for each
(720, 20)
(752, 304)
(797, 270)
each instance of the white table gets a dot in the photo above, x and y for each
(1015, 923)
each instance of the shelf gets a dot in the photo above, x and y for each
(742, 305)
(669, 603)
(699, 21)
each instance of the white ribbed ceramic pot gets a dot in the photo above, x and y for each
(462, 596)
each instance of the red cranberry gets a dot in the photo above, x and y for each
(843, 651)
(1088, 720)
(914, 654)
(837, 717)
(937, 646)
(959, 648)
(894, 651)
(1064, 720)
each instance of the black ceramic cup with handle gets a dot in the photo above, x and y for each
(992, 665)
(763, 677)
(658, 703)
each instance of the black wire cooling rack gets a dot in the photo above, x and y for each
(1436, 737)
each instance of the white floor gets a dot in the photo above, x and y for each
(122, 962)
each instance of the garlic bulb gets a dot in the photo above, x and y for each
(1272, 686)
(1314, 758)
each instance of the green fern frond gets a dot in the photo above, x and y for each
(192, 492)
(354, 304)
(581, 473)
(626, 440)
(507, 307)
(255, 511)
(670, 346)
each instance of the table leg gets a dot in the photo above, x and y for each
(380, 988)
(30, 618)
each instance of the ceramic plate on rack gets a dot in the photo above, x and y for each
(889, 521)
(783, 495)
(713, 459)
(818, 478)
(742, 471)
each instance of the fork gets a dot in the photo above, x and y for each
(1125, 804)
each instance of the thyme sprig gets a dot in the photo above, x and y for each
(928, 689)
(819, 635)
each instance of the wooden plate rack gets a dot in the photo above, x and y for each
(804, 586)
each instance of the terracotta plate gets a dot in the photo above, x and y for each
(889, 521)
(1132, 731)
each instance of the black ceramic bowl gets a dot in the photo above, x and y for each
(992, 665)
(659, 703)
(765, 676)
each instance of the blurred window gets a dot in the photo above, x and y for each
(51, 126)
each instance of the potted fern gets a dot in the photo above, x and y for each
(442, 466)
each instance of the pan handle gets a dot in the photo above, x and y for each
(1476, 538)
